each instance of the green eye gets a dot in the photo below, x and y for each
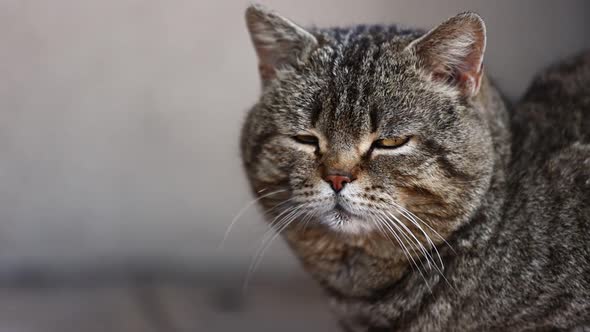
(391, 143)
(306, 139)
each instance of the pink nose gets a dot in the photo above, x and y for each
(337, 182)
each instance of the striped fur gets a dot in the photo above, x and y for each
(462, 259)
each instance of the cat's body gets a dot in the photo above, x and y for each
(523, 261)
(387, 161)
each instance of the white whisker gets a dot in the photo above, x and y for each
(243, 210)
(415, 217)
(381, 224)
(416, 243)
(309, 215)
(421, 247)
(413, 221)
(284, 222)
(427, 255)
(388, 225)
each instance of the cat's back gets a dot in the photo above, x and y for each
(569, 78)
(555, 111)
(549, 186)
(543, 243)
(551, 126)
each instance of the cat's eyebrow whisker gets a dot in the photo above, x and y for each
(243, 210)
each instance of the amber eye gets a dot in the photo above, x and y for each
(391, 143)
(306, 139)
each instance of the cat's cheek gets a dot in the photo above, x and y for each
(274, 164)
(267, 172)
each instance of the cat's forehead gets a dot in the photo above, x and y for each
(351, 86)
(364, 80)
(362, 55)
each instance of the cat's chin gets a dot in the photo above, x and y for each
(345, 222)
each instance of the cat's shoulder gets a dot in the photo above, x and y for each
(554, 114)
(569, 79)
(551, 125)
(571, 165)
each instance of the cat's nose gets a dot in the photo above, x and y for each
(338, 181)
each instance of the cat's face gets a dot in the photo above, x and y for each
(355, 132)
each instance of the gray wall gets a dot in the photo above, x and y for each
(119, 119)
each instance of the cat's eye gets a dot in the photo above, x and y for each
(391, 143)
(306, 139)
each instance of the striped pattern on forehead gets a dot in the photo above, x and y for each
(345, 111)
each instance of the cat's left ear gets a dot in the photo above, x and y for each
(278, 41)
(453, 52)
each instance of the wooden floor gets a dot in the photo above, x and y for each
(163, 307)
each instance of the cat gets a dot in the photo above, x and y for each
(419, 201)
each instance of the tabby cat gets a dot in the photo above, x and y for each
(392, 167)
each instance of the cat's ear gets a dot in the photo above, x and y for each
(453, 52)
(278, 41)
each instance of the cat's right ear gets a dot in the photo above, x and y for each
(278, 42)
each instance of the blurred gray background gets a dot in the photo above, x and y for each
(119, 123)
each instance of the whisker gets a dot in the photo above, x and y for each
(243, 210)
(439, 270)
(309, 215)
(417, 244)
(379, 225)
(388, 225)
(278, 221)
(276, 206)
(265, 238)
(408, 215)
(428, 239)
(421, 246)
(412, 215)
(285, 221)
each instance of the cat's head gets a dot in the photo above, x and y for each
(357, 127)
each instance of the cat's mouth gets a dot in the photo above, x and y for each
(341, 209)
(340, 212)
(346, 221)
